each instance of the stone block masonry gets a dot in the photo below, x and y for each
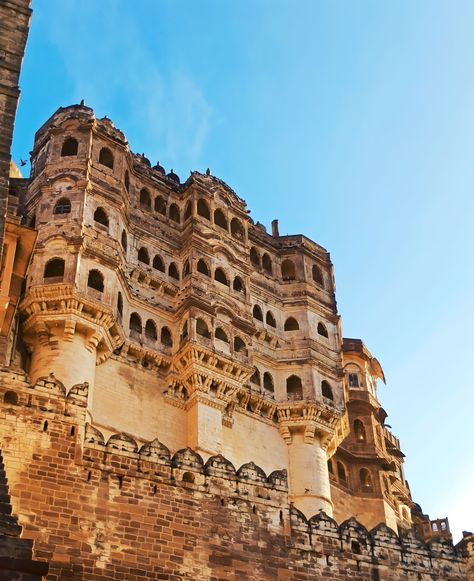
(14, 25)
(127, 510)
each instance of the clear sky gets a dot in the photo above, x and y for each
(351, 122)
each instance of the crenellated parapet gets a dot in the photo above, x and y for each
(118, 478)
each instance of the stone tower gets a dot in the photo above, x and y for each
(185, 318)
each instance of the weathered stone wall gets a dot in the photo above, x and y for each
(14, 26)
(118, 509)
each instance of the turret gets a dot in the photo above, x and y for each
(367, 470)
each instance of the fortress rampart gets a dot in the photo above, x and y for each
(115, 508)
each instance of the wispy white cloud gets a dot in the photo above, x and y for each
(162, 110)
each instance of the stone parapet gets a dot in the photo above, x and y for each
(111, 507)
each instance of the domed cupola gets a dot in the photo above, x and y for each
(159, 168)
(173, 177)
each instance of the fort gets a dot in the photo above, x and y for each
(177, 399)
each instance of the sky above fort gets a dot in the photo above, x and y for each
(350, 122)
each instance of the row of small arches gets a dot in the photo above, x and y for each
(63, 206)
(220, 219)
(291, 324)
(220, 276)
(294, 386)
(161, 207)
(54, 268)
(70, 148)
(159, 264)
(202, 267)
(288, 269)
(202, 329)
(341, 472)
(149, 330)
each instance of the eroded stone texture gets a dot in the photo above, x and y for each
(14, 26)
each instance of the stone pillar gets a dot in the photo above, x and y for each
(308, 475)
(204, 427)
(70, 361)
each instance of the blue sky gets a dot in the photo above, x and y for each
(351, 122)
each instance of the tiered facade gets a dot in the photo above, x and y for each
(167, 340)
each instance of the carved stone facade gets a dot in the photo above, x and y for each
(166, 340)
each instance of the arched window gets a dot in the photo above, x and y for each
(150, 330)
(54, 268)
(143, 256)
(186, 269)
(359, 431)
(202, 328)
(119, 304)
(257, 313)
(166, 338)
(203, 209)
(322, 330)
(294, 387)
(288, 271)
(69, 147)
(101, 217)
(317, 275)
(326, 389)
(106, 158)
(353, 379)
(188, 212)
(123, 240)
(10, 398)
(267, 264)
(126, 181)
(221, 335)
(341, 472)
(160, 205)
(135, 323)
(365, 480)
(145, 199)
(239, 346)
(202, 267)
(330, 467)
(255, 379)
(268, 382)
(238, 285)
(173, 271)
(158, 263)
(291, 324)
(254, 257)
(95, 280)
(220, 219)
(236, 229)
(220, 276)
(174, 213)
(63, 206)
(270, 319)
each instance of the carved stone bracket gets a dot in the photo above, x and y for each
(314, 419)
(62, 307)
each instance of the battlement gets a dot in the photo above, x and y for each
(137, 506)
